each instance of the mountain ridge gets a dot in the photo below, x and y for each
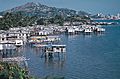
(38, 9)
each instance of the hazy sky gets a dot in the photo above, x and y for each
(91, 6)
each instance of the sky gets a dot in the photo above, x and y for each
(90, 6)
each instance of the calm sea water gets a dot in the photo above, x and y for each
(95, 56)
(118, 21)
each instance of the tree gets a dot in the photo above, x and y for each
(40, 21)
(10, 20)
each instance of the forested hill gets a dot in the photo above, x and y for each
(37, 9)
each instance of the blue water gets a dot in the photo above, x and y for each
(107, 21)
(95, 56)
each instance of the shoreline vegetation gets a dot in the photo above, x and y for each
(13, 71)
(10, 20)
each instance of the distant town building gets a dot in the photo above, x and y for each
(103, 17)
(1, 16)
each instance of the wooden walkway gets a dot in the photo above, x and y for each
(40, 45)
(15, 59)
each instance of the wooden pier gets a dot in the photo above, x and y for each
(17, 60)
(14, 59)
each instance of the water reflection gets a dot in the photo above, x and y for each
(72, 36)
(52, 63)
(87, 36)
(38, 51)
(99, 34)
(6, 53)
